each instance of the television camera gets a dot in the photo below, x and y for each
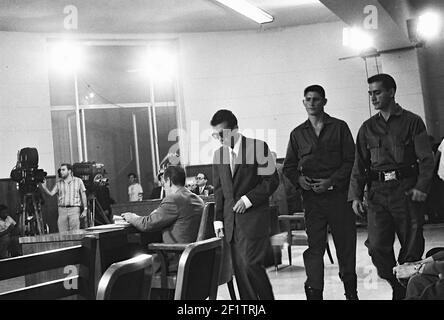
(93, 176)
(27, 175)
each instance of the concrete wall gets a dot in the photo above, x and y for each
(25, 119)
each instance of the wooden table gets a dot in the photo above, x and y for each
(113, 245)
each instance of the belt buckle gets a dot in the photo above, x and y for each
(389, 175)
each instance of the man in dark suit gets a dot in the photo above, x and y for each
(202, 188)
(244, 176)
(178, 216)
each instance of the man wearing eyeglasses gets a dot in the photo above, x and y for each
(244, 176)
(319, 160)
(201, 185)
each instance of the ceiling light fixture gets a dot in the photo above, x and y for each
(429, 25)
(247, 9)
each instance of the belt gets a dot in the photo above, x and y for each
(69, 206)
(395, 174)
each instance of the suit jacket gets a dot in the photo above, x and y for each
(207, 187)
(255, 177)
(434, 291)
(178, 218)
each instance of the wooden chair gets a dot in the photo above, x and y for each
(164, 280)
(81, 283)
(293, 237)
(127, 280)
(198, 273)
(206, 231)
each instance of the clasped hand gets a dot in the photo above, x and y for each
(317, 185)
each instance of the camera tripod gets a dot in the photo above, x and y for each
(93, 207)
(31, 220)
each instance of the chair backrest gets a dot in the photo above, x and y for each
(206, 229)
(127, 280)
(80, 283)
(199, 267)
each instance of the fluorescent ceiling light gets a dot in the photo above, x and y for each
(247, 9)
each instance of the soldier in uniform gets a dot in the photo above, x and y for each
(394, 159)
(319, 160)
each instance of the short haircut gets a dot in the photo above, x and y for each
(222, 116)
(3, 207)
(387, 81)
(132, 174)
(67, 165)
(202, 173)
(176, 174)
(315, 88)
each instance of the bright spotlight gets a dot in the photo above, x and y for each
(65, 57)
(429, 25)
(357, 39)
(160, 64)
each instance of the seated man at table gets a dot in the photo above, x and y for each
(425, 277)
(178, 216)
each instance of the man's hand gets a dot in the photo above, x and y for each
(405, 271)
(129, 216)
(220, 232)
(240, 206)
(84, 212)
(417, 195)
(43, 183)
(321, 185)
(358, 207)
(304, 182)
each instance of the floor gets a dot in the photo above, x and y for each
(288, 281)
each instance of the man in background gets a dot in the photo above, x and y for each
(71, 194)
(201, 185)
(158, 192)
(135, 191)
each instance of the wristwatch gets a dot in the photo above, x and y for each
(418, 267)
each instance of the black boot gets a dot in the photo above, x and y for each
(351, 292)
(399, 291)
(312, 293)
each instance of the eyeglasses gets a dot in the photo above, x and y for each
(225, 133)
(218, 135)
(200, 178)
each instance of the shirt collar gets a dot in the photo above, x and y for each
(396, 112)
(327, 120)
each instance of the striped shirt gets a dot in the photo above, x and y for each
(69, 192)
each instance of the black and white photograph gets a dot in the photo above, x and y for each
(234, 151)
